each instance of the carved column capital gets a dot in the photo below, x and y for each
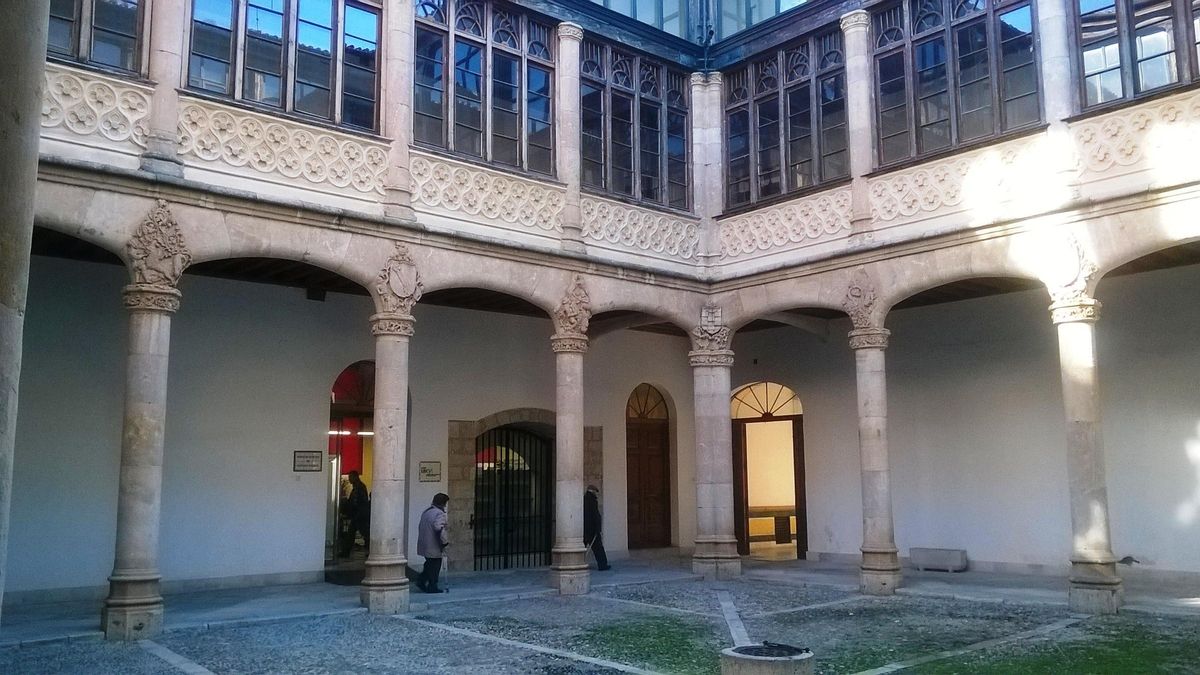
(570, 31)
(869, 338)
(708, 358)
(859, 302)
(392, 323)
(1075, 310)
(151, 298)
(569, 343)
(859, 19)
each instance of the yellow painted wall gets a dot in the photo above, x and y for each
(770, 476)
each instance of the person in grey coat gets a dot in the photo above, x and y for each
(432, 541)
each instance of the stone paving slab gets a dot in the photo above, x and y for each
(80, 658)
(751, 597)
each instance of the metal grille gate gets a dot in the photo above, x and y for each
(514, 499)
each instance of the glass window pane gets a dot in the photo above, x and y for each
(468, 98)
(428, 87)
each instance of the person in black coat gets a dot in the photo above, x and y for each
(358, 512)
(592, 524)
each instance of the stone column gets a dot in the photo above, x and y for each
(880, 568)
(569, 566)
(859, 116)
(23, 53)
(157, 257)
(567, 137)
(396, 111)
(708, 174)
(716, 555)
(168, 35)
(1094, 586)
(1055, 35)
(397, 289)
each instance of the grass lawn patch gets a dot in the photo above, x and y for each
(667, 644)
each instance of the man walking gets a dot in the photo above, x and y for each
(591, 526)
(432, 542)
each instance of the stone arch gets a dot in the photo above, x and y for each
(460, 471)
(1142, 250)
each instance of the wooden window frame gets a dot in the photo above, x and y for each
(816, 71)
(234, 88)
(947, 31)
(451, 35)
(1186, 49)
(81, 40)
(637, 94)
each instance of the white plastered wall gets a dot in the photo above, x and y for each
(251, 367)
(976, 425)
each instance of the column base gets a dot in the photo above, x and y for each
(569, 571)
(1094, 588)
(385, 588)
(879, 573)
(134, 607)
(717, 559)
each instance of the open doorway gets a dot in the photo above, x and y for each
(771, 519)
(351, 436)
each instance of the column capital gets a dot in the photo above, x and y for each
(151, 298)
(718, 358)
(859, 19)
(869, 338)
(568, 30)
(1076, 310)
(392, 323)
(569, 343)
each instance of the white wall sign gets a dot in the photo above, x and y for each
(430, 472)
(308, 460)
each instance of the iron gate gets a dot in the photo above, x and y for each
(514, 499)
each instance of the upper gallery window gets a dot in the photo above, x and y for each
(102, 32)
(669, 16)
(1130, 47)
(785, 120)
(737, 15)
(314, 57)
(496, 105)
(634, 127)
(949, 72)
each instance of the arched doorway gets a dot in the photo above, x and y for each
(513, 519)
(648, 468)
(768, 466)
(351, 410)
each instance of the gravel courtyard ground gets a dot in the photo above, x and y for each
(666, 627)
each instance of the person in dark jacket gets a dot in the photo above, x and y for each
(432, 540)
(592, 524)
(358, 512)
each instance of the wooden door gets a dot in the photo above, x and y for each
(648, 475)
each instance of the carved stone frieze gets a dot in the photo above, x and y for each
(440, 184)
(720, 358)
(807, 220)
(280, 147)
(859, 302)
(869, 338)
(89, 104)
(392, 323)
(398, 285)
(151, 298)
(157, 252)
(1122, 140)
(574, 311)
(640, 228)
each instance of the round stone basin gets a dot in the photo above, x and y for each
(766, 658)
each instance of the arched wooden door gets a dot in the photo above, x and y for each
(648, 468)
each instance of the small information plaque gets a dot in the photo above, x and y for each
(430, 472)
(308, 460)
